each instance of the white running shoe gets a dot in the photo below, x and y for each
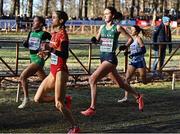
(122, 100)
(24, 103)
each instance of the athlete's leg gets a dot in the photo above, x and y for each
(41, 74)
(123, 84)
(60, 92)
(47, 85)
(142, 75)
(29, 71)
(100, 72)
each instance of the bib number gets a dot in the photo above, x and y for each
(34, 43)
(54, 59)
(106, 45)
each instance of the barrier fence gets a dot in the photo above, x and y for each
(79, 26)
(83, 59)
(80, 63)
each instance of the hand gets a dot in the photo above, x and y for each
(45, 46)
(43, 54)
(121, 48)
(130, 56)
(126, 53)
(94, 40)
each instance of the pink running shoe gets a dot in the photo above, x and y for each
(140, 102)
(74, 130)
(89, 112)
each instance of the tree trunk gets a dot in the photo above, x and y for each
(138, 7)
(53, 5)
(161, 6)
(86, 8)
(1, 8)
(177, 9)
(30, 8)
(113, 4)
(62, 5)
(80, 8)
(17, 8)
(155, 5)
(13, 8)
(165, 12)
(132, 8)
(142, 6)
(45, 8)
(105, 3)
(22, 7)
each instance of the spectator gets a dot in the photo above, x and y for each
(162, 33)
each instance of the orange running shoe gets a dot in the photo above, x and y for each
(74, 130)
(89, 112)
(140, 102)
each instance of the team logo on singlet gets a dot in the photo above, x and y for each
(106, 45)
(34, 43)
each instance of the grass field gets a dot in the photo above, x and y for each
(161, 113)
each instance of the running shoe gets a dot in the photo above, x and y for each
(122, 100)
(89, 112)
(68, 102)
(24, 103)
(74, 130)
(140, 102)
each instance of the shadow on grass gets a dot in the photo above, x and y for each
(161, 112)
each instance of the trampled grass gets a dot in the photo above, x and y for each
(161, 113)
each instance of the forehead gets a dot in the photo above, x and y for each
(36, 19)
(133, 28)
(54, 14)
(107, 11)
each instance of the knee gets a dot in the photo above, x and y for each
(91, 80)
(22, 78)
(59, 105)
(126, 83)
(127, 80)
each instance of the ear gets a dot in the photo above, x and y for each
(61, 21)
(41, 24)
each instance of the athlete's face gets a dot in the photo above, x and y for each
(133, 31)
(55, 20)
(36, 23)
(108, 16)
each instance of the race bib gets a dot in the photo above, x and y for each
(54, 59)
(34, 43)
(106, 45)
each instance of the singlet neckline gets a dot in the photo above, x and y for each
(110, 28)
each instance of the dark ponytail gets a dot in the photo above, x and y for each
(117, 15)
(146, 33)
(62, 15)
